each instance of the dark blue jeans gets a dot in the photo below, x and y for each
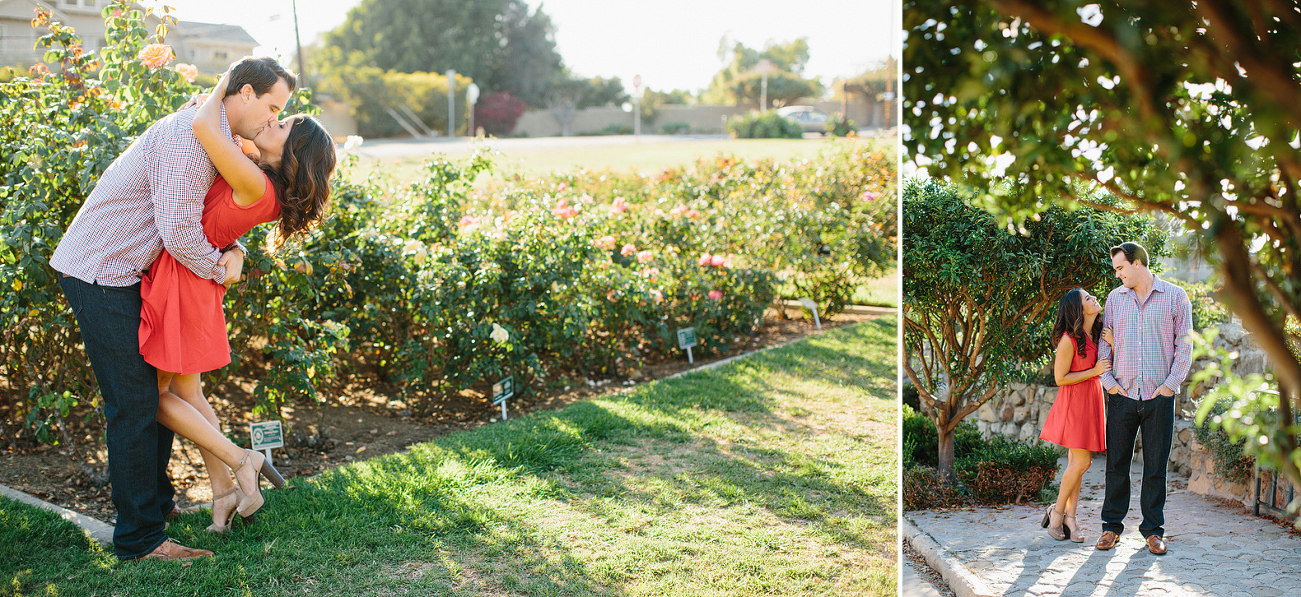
(1126, 418)
(138, 447)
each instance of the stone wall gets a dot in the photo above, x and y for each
(1020, 411)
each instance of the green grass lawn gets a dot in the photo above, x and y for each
(645, 159)
(775, 474)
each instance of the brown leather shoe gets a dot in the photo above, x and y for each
(171, 550)
(176, 511)
(1156, 544)
(1106, 541)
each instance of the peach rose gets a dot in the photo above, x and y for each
(717, 261)
(620, 205)
(715, 295)
(605, 242)
(644, 256)
(155, 55)
(627, 249)
(704, 260)
(657, 296)
(189, 71)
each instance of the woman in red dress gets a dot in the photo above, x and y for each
(183, 328)
(1077, 420)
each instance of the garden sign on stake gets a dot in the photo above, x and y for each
(687, 339)
(501, 391)
(266, 435)
(812, 306)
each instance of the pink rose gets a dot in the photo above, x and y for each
(189, 71)
(586, 199)
(155, 55)
(717, 261)
(510, 215)
(704, 260)
(715, 295)
(644, 256)
(564, 210)
(562, 187)
(609, 296)
(651, 273)
(605, 242)
(679, 210)
(467, 220)
(657, 296)
(627, 249)
(693, 214)
(620, 205)
(869, 196)
(728, 262)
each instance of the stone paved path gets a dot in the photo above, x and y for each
(1214, 549)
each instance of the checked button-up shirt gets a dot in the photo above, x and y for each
(1153, 347)
(149, 198)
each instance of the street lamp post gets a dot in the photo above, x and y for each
(472, 98)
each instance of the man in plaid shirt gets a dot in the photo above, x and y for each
(150, 199)
(1151, 320)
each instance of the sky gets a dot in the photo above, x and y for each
(672, 44)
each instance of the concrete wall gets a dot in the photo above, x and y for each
(337, 118)
(703, 119)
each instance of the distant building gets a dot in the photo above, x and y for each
(209, 46)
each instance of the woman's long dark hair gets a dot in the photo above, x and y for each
(302, 181)
(1070, 319)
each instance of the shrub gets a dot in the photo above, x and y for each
(1003, 470)
(611, 129)
(498, 112)
(924, 489)
(1231, 462)
(372, 93)
(675, 128)
(763, 125)
(1207, 311)
(841, 126)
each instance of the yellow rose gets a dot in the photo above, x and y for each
(155, 55)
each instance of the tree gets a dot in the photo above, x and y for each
(568, 95)
(498, 112)
(979, 299)
(739, 81)
(1184, 108)
(499, 43)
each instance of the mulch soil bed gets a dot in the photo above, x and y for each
(357, 423)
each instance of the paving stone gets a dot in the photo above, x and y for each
(1214, 550)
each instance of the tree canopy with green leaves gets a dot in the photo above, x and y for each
(1184, 108)
(500, 44)
(740, 81)
(979, 300)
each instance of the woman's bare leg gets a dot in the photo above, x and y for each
(1068, 495)
(181, 415)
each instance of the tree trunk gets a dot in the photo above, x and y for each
(946, 455)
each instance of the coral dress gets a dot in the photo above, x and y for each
(1078, 416)
(182, 324)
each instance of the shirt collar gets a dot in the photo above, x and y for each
(1158, 285)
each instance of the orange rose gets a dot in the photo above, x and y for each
(155, 55)
(189, 71)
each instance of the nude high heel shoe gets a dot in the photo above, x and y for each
(223, 510)
(1073, 529)
(253, 499)
(1053, 522)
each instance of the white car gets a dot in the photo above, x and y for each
(811, 119)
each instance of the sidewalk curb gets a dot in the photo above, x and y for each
(96, 530)
(961, 580)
